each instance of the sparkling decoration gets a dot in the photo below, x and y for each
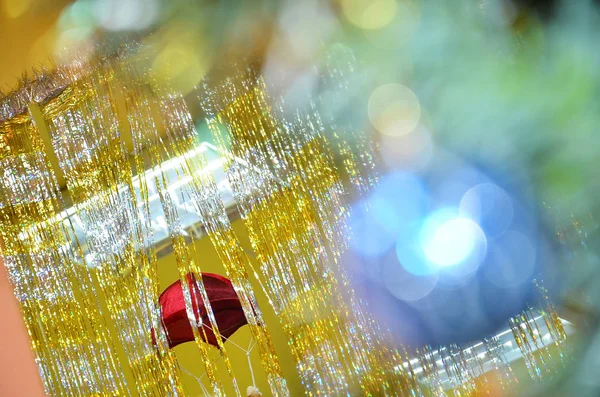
(295, 205)
(57, 293)
(85, 135)
(123, 140)
(496, 351)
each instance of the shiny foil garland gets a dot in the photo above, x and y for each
(431, 372)
(295, 206)
(503, 372)
(58, 297)
(202, 190)
(87, 139)
(85, 135)
(292, 174)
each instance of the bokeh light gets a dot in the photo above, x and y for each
(448, 240)
(490, 206)
(512, 259)
(452, 242)
(126, 14)
(394, 36)
(411, 152)
(370, 14)
(406, 285)
(182, 56)
(398, 200)
(394, 109)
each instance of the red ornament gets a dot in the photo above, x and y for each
(224, 301)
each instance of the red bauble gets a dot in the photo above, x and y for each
(224, 301)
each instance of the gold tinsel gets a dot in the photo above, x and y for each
(293, 176)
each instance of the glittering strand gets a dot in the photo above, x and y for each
(293, 205)
(149, 150)
(495, 351)
(205, 197)
(540, 359)
(85, 136)
(57, 296)
(430, 370)
(201, 189)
